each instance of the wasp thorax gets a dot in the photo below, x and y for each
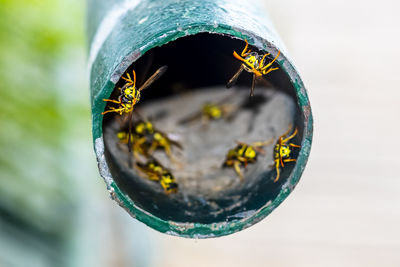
(285, 151)
(212, 111)
(252, 62)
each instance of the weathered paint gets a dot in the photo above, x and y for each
(140, 26)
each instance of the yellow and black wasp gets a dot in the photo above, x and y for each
(156, 172)
(282, 151)
(130, 95)
(212, 111)
(244, 154)
(253, 63)
(145, 139)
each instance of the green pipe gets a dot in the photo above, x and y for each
(122, 33)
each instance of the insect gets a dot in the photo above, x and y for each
(212, 111)
(156, 172)
(253, 63)
(130, 95)
(244, 154)
(140, 129)
(146, 139)
(282, 151)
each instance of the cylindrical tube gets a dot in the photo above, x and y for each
(122, 32)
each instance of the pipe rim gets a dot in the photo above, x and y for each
(199, 230)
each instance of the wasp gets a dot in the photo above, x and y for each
(283, 150)
(145, 139)
(244, 154)
(140, 129)
(130, 95)
(253, 63)
(211, 111)
(156, 172)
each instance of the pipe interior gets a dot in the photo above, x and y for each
(199, 67)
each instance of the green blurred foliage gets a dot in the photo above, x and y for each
(44, 118)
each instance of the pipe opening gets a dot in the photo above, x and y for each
(199, 68)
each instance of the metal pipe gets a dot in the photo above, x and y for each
(121, 33)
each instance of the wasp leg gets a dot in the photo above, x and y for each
(290, 137)
(173, 159)
(256, 72)
(108, 111)
(118, 110)
(113, 101)
(262, 60)
(152, 177)
(134, 77)
(147, 174)
(164, 185)
(243, 54)
(269, 70)
(166, 148)
(269, 64)
(289, 160)
(137, 147)
(238, 57)
(243, 160)
(278, 172)
(236, 166)
(293, 145)
(129, 79)
(281, 159)
(153, 147)
(287, 131)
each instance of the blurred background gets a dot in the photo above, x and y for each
(54, 207)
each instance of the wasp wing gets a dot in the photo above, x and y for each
(153, 77)
(190, 118)
(172, 138)
(233, 80)
(252, 85)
